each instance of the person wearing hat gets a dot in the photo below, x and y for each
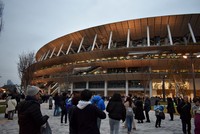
(30, 118)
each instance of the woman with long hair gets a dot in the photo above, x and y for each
(116, 112)
(129, 105)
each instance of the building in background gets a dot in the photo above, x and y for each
(156, 56)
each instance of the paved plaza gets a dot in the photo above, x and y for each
(167, 127)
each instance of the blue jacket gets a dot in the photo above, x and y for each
(158, 107)
(98, 101)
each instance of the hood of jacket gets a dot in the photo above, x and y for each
(96, 98)
(83, 104)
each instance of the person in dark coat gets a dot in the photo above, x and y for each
(196, 114)
(30, 118)
(139, 114)
(170, 108)
(63, 108)
(184, 109)
(84, 115)
(147, 107)
(116, 112)
(75, 100)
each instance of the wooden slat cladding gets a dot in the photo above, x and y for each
(158, 27)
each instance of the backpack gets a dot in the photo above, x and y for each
(68, 104)
(129, 111)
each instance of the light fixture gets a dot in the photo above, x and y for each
(144, 52)
(185, 56)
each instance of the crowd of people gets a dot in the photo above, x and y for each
(84, 111)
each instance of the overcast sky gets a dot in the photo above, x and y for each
(30, 24)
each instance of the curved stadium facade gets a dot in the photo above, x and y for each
(139, 56)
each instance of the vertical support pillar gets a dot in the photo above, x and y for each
(71, 88)
(105, 88)
(150, 83)
(52, 52)
(80, 45)
(60, 50)
(110, 39)
(128, 39)
(150, 88)
(94, 42)
(192, 33)
(87, 85)
(126, 92)
(43, 56)
(169, 34)
(69, 47)
(148, 36)
(47, 55)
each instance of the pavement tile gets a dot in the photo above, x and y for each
(167, 127)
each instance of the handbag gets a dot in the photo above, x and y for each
(162, 115)
(45, 129)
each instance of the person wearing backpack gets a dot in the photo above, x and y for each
(129, 113)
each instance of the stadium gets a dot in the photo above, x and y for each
(157, 56)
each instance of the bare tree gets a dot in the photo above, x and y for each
(1, 15)
(24, 70)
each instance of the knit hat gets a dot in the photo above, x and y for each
(32, 90)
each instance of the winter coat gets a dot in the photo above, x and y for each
(184, 109)
(57, 100)
(170, 107)
(116, 110)
(12, 103)
(139, 114)
(147, 105)
(84, 118)
(158, 109)
(98, 101)
(30, 118)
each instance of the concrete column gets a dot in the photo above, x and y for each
(71, 88)
(87, 85)
(150, 88)
(105, 88)
(150, 83)
(126, 87)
